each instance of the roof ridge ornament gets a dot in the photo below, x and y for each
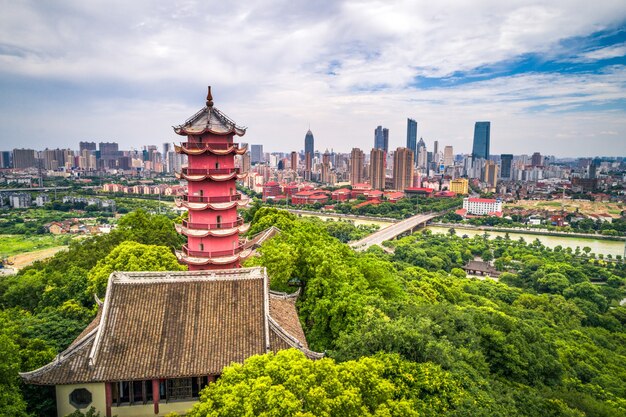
(209, 99)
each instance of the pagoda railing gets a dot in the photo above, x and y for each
(215, 146)
(214, 171)
(213, 254)
(212, 226)
(214, 199)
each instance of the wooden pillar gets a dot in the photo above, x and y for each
(156, 393)
(108, 398)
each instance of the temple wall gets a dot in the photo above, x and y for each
(63, 398)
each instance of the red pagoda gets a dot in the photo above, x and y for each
(213, 226)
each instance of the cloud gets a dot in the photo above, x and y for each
(278, 65)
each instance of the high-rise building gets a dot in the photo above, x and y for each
(482, 137)
(53, 159)
(24, 158)
(506, 160)
(448, 156)
(326, 166)
(309, 143)
(536, 160)
(459, 186)
(256, 154)
(86, 146)
(294, 161)
(411, 137)
(357, 160)
(381, 138)
(403, 168)
(6, 160)
(377, 169)
(490, 173)
(212, 196)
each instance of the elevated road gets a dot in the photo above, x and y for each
(393, 231)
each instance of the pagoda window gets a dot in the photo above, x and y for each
(201, 246)
(201, 193)
(217, 165)
(219, 222)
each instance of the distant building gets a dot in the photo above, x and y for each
(294, 161)
(482, 137)
(381, 138)
(20, 200)
(6, 160)
(403, 168)
(482, 206)
(326, 177)
(24, 158)
(411, 137)
(459, 186)
(448, 156)
(506, 160)
(377, 169)
(422, 154)
(537, 160)
(490, 174)
(86, 146)
(256, 154)
(357, 161)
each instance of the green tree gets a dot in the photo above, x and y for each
(131, 256)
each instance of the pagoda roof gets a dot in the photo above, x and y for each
(209, 120)
(156, 325)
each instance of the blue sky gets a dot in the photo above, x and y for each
(550, 76)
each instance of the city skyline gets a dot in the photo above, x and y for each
(550, 78)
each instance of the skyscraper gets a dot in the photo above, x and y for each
(411, 137)
(536, 159)
(90, 146)
(482, 137)
(505, 165)
(294, 161)
(381, 138)
(402, 169)
(490, 173)
(377, 169)
(357, 159)
(309, 143)
(24, 158)
(256, 154)
(422, 154)
(448, 156)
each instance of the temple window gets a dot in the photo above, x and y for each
(80, 398)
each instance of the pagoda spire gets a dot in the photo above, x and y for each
(209, 98)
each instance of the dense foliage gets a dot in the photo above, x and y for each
(548, 340)
(46, 305)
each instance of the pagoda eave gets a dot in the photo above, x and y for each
(183, 131)
(223, 260)
(214, 206)
(199, 151)
(214, 232)
(214, 177)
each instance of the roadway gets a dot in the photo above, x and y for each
(393, 231)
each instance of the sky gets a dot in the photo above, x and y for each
(550, 76)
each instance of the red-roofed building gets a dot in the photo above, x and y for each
(394, 196)
(310, 197)
(342, 194)
(418, 191)
(359, 189)
(482, 206)
(373, 194)
(368, 203)
(445, 194)
(271, 189)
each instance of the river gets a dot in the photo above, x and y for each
(605, 247)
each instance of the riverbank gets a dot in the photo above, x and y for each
(597, 246)
(540, 232)
(381, 221)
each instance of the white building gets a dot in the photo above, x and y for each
(482, 206)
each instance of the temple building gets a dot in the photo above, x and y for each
(213, 226)
(160, 337)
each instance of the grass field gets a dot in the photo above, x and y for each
(11, 245)
(582, 206)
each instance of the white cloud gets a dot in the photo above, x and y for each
(269, 61)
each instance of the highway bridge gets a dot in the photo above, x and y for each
(393, 231)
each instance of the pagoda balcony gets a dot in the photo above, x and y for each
(214, 199)
(214, 171)
(214, 254)
(212, 226)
